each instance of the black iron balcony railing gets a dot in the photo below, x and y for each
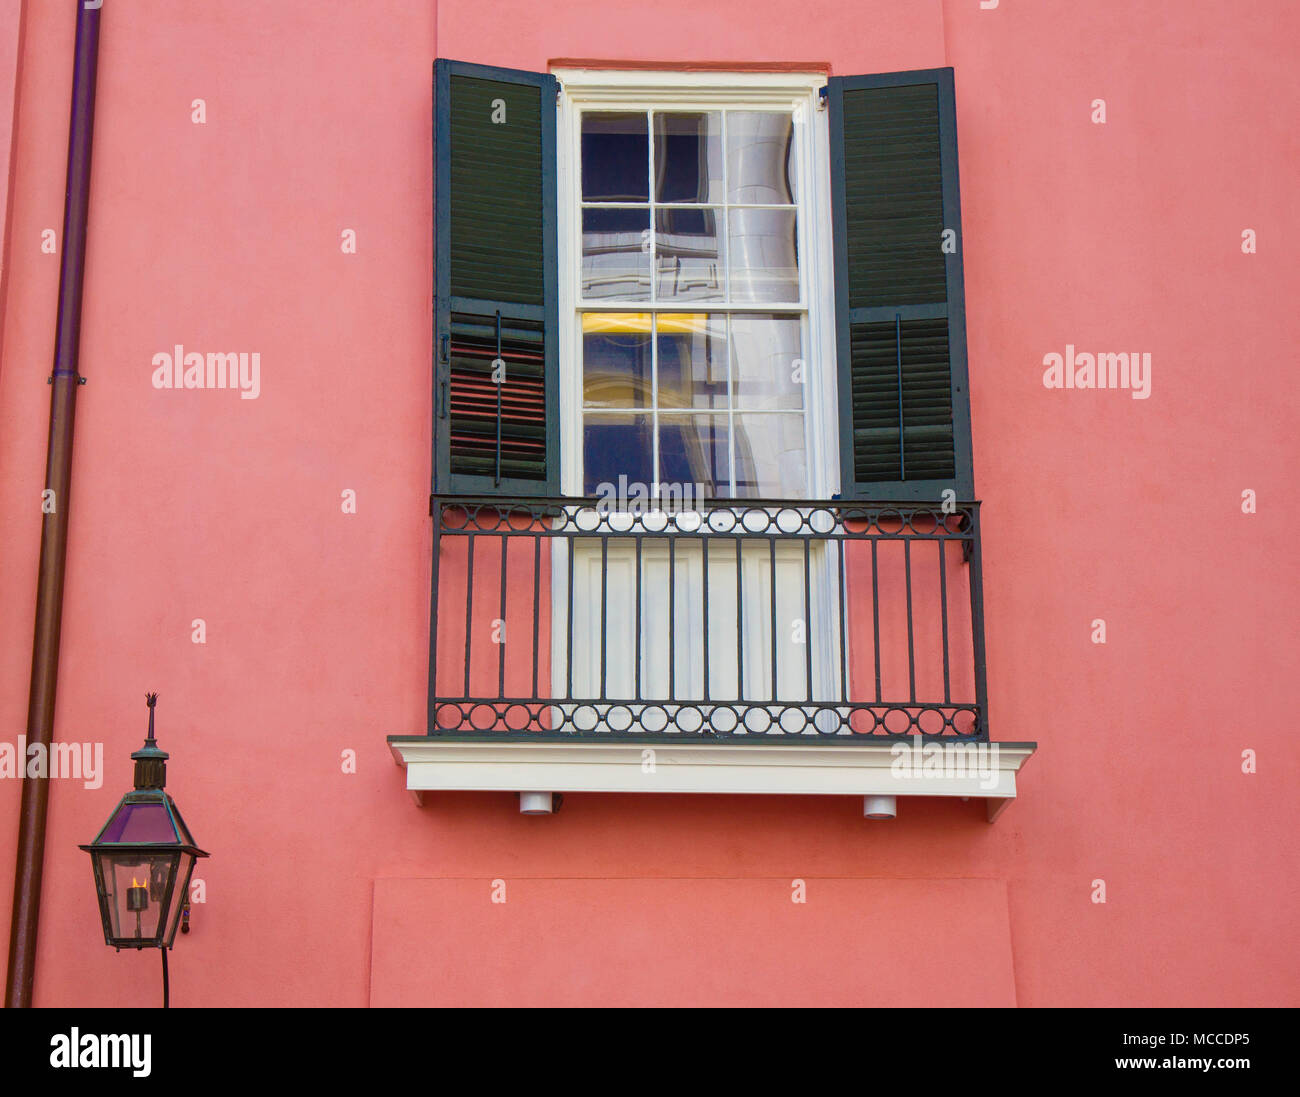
(759, 620)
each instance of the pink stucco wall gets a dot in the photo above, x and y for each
(331, 888)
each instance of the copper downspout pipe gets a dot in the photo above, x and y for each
(54, 530)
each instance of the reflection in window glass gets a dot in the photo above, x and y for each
(688, 255)
(615, 157)
(688, 157)
(763, 255)
(765, 357)
(760, 153)
(614, 446)
(616, 360)
(690, 217)
(692, 349)
(616, 253)
(693, 450)
(770, 456)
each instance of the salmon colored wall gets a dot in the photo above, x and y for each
(11, 24)
(197, 504)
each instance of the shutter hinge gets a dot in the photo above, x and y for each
(823, 93)
(559, 92)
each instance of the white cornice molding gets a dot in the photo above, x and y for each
(643, 87)
(436, 764)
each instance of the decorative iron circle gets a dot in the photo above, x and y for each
(654, 718)
(891, 515)
(793, 721)
(688, 719)
(863, 721)
(821, 520)
(511, 717)
(924, 523)
(828, 720)
(890, 724)
(789, 520)
(722, 521)
(442, 717)
(483, 716)
(757, 720)
(929, 727)
(723, 719)
(619, 718)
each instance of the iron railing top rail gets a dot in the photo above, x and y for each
(710, 501)
(759, 518)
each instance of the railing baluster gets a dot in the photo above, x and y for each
(704, 600)
(977, 625)
(469, 606)
(604, 603)
(570, 543)
(636, 616)
(433, 617)
(875, 607)
(943, 606)
(537, 602)
(672, 617)
(501, 654)
(842, 612)
(771, 552)
(911, 648)
(807, 621)
(740, 628)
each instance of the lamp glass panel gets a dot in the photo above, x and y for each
(148, 822)
(135, 883)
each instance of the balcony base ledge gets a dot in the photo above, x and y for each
(889, 768)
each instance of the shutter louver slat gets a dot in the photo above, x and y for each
(473, 398)
(496, 192)
(894, 196)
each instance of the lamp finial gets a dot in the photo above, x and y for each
(150, 761)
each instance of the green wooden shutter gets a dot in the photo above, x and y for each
(494, 273)
(899, 296)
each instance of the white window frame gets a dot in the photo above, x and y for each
(688, 91)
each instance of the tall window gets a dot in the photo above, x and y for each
(691, 300)
(698, 361)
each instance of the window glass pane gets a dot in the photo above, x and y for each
(615, 157)
(613, 446)
(764, 351)
(616, 253)
(760, 158)
(693, 450)
(770, 456)
(688, 255)
(692, 360)
(763, 255)
(688, 157)
(616, 359)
